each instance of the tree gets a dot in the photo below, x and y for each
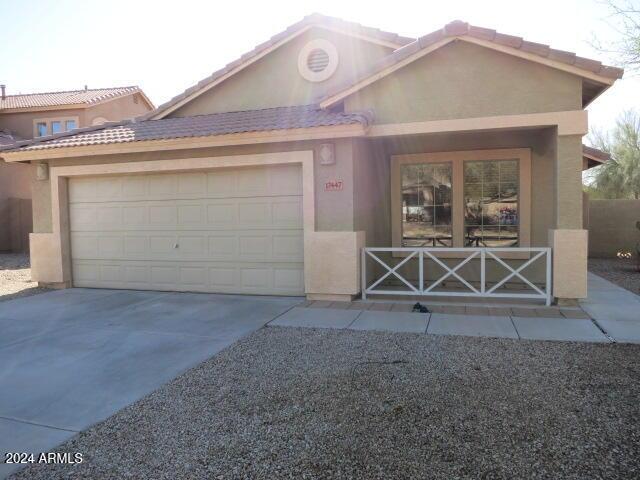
(619, 177)
(625, 20)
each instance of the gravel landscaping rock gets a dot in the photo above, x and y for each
(623, 273)
(15, 277)
(304, 403)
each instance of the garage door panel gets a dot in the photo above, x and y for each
(235, 214)
(191, 214)
(253, 246)
(221, 277)
(229, 231)
(162, 186)
(135, 216)
(280, 180)
(193, 184)
(166, 215)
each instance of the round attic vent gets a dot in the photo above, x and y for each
(318, 60)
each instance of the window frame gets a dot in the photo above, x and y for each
(457, 159)
(49, 120)
(37, 130)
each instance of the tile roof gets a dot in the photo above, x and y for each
(310, 20)
(280, 118)
(72, 97)
(7, 138)
(459, 28)
(595, 154)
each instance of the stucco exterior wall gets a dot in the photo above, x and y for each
(568, 182)
(612, 227)
(462, 80)
(274, 80)
(15, 209)
(118, 109)
(371, 193)
(22, 123)
(334, 208)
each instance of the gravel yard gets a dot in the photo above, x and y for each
(15, 277)
(303, 403)
(623, 273)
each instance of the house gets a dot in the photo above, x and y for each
(291, 168)
(33, 115)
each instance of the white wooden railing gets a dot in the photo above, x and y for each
(466, 287)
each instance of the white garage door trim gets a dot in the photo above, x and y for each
(61, 235)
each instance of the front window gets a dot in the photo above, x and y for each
(56, 126)
(41, 129)
(491, 203)
(478, 198)
(426, 205)
(70, 125)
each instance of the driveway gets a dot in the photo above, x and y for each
(71, 358)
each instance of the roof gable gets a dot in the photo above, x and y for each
(275, 80)
(464, 80)
(594, 72)
(388, 39)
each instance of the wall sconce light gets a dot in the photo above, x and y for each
(42, 171)
(326, 154)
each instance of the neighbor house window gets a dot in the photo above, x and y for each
(491, 203)
(41, 129)
(44, 127)
(462, 199)
(426, 205)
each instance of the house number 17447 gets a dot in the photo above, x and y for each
(333, 186)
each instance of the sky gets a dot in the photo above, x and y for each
(167, 46)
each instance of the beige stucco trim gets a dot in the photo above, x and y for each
(53, 250)
(523, 155)
(332, 263)
(249, 138)
(570, 252)
(573, 122)
(50, 120)
(338, 97)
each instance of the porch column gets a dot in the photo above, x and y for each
(568, 239)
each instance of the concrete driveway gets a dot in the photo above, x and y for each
(71, 358)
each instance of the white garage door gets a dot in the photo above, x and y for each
(231, 231)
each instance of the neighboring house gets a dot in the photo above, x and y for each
(272, 174)
(33, 115)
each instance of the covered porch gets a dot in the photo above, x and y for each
(471, 215)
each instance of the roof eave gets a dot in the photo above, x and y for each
(245, 138)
